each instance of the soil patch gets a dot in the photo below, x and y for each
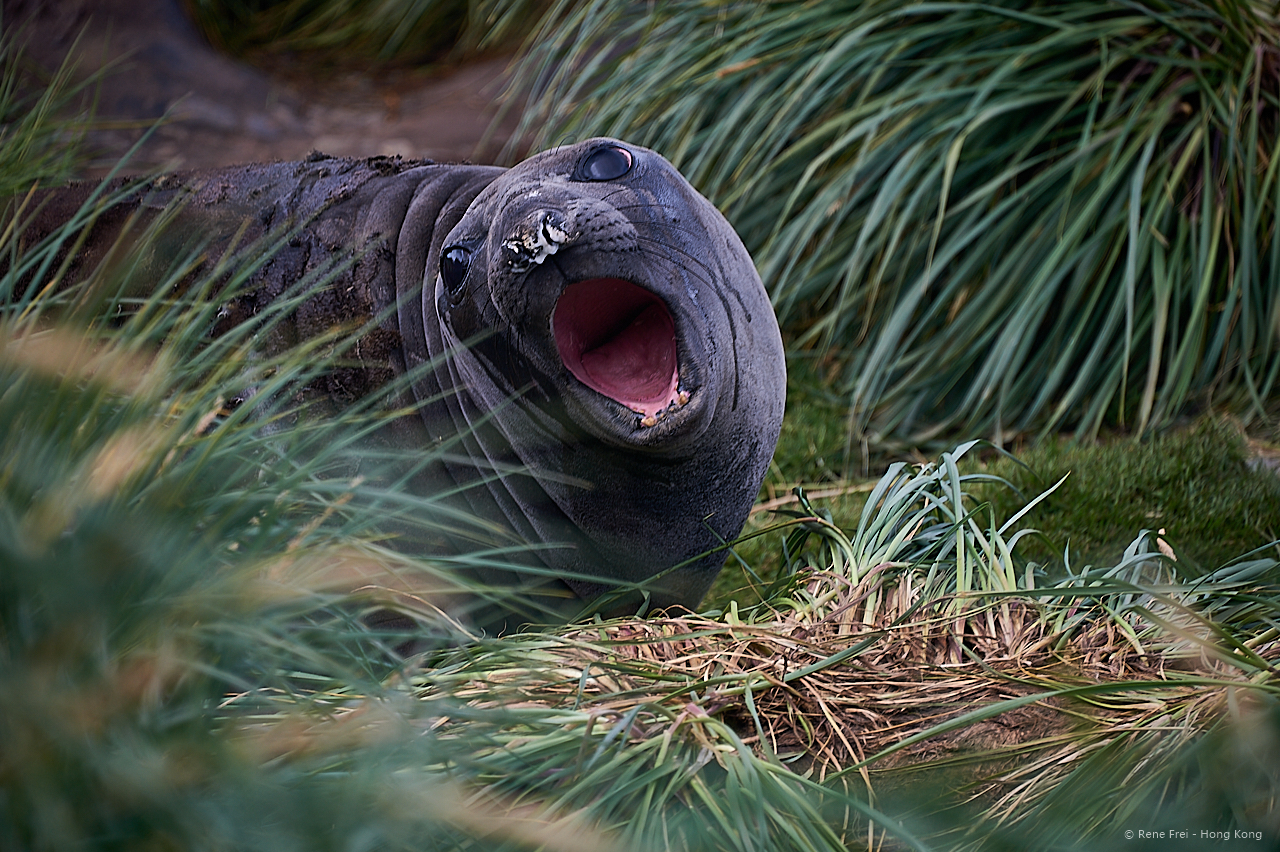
(217, 111)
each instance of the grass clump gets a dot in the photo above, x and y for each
(183, 647)
(946, 693)
(37, 144)
(184, 661)
(366, 31)
(1213, 494)
(998, 218)
(172, 563)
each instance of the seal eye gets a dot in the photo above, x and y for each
(454, 263)
(605, 164)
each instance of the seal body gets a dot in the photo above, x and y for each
(595, 360)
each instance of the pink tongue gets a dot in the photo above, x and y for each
(619, 340)
(638, 363)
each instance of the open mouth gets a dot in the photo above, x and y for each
(619, 339)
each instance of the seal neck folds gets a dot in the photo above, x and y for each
(605, 331)
(619, 339)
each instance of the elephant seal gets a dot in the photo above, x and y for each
(605, 354)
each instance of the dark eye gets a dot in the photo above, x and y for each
(454, 263)
(605, 164)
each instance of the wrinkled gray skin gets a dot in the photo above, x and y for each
(618, 495)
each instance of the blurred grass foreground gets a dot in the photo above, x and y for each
(185, 661)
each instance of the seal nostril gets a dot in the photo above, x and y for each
(540, 236)
(455, 261)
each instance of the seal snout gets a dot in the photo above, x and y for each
(541, 235)
(619, 339)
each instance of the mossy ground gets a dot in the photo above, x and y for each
(1213, 490)
(1201, 484)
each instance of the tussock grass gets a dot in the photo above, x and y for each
(994, 218)
(1210, 492)
(37, 143)
(185, 660)
(912, 649)
(164, 550)
(365, 31)
(191, 584)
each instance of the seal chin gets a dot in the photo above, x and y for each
(619, 339)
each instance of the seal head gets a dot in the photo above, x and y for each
(606, 331)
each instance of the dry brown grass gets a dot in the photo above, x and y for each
(831, 694)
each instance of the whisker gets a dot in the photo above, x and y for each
(693, 259)
(616, 191)
(697, 233)
(644, 206)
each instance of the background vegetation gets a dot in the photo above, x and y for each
(974, 219)
(38, 142)
(366, 32)
(184, 663)
(984, 218)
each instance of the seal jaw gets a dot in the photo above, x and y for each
(619, 339)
